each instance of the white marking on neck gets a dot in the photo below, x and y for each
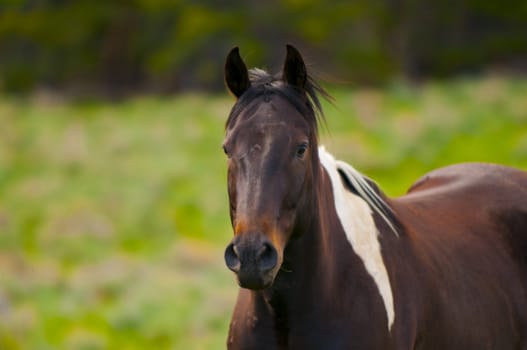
(357, 221)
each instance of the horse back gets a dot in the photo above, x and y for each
(477, 196)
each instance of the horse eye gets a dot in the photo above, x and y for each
(301, 150)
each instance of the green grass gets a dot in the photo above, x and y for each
(113, 217)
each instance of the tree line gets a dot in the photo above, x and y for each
(174, 45)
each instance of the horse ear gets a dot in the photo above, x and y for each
(236, 74)
(294, 72)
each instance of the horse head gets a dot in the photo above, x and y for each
(271, 147)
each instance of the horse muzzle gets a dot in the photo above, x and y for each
(254, 260)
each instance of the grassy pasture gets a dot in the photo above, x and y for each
(113, 217)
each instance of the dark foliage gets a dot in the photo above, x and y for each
(165, 45)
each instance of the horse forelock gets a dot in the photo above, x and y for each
(264, 85)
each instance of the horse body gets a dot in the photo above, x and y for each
(466, 226)
(326, 261)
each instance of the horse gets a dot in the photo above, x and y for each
(325, 260)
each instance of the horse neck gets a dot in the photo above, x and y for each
(303, 265)
(324, 244)
(333, 246)
(316, 248)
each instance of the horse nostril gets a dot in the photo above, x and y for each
(268, 257)
(231, 258)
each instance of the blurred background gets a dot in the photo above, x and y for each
(113, 205)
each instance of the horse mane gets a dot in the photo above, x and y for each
(368, 191)
(264, 85)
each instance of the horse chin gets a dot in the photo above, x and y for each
(256, 281)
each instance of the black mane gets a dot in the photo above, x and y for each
(265, 85)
